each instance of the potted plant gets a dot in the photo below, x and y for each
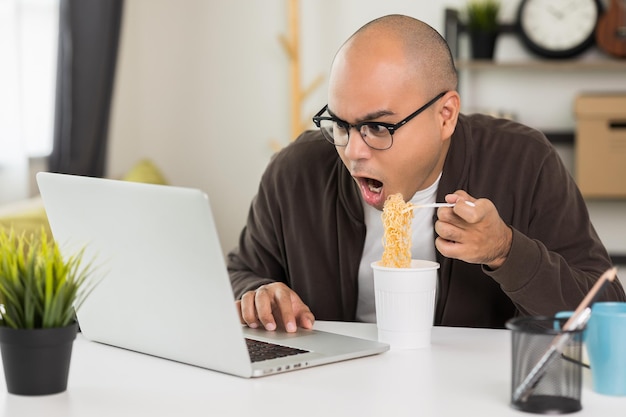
(39, 291)
(482, 26)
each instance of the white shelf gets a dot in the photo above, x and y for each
(544, 65)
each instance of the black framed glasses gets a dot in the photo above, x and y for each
(377, 135)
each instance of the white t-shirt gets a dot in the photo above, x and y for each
(422, 246)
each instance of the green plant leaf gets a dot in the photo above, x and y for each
(38, 287)
(483, 15)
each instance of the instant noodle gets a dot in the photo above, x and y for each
(397, 216)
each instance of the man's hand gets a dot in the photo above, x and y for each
(274, 305)
(472, 231)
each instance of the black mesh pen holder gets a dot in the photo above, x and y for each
(558, 388)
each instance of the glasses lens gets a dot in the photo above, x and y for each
(376, 136)
(334, 132)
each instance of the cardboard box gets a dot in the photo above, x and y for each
(601, 145)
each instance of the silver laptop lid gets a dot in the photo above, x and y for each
(164, 288)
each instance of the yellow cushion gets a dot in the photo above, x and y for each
(145, 171)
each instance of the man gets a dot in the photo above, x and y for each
(524, 244)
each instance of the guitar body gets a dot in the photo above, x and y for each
(611, 30)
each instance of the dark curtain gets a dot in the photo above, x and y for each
(89, 32)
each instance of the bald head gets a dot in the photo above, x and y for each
(425, 53)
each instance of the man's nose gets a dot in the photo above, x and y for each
(356, 147)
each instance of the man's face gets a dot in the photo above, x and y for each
(383, 91)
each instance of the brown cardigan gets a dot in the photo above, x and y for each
(305, 228)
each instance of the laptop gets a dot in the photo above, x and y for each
(163, 287)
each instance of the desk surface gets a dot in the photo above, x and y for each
(464, 372)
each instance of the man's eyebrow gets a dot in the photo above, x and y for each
(367, 118)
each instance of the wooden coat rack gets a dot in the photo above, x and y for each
(291, 45)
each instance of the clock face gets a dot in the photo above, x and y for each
(558, 28)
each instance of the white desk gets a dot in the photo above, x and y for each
(464, 372)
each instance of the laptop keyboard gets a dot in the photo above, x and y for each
(262, 351)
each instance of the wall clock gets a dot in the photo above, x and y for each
(557, 28)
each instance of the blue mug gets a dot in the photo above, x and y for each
(605, 339)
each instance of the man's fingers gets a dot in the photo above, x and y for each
(472, 231)
(263, 300)
(306, 319)
(274, 305)
(303, 315)
(247, 310)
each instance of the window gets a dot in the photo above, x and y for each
(28, 47)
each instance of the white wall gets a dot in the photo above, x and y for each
(202, 89)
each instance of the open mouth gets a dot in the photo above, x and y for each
(372, 191)
(374, 186)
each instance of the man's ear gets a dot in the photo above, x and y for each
(449, 113)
